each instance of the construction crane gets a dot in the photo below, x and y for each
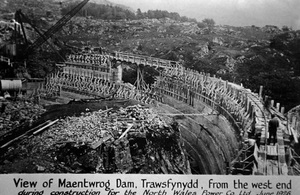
(20, 17)
(56, 27)
(43, 37)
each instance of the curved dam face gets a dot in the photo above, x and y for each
(209, 138)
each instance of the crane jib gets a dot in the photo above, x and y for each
(55, 28)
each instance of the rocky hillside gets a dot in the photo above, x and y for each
(251, 55)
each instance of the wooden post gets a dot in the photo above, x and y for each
(272, 103)
(229, 88)
(59, 92)
(278, 106)
(260, 91)
(293, 124)
(282, 110)
(243, 99)
(253, 111)
(249, 108)
(236, 93)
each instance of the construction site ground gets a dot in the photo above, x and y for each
(28, 155)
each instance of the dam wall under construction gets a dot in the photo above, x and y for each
(209, 139)
(224, 126)
(216, 117)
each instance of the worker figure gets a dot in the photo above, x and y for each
(273, 125)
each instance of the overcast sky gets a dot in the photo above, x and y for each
(231, 12)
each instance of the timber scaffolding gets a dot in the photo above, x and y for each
(247, 112)
(146, 61)
(5, 59)
(90, 86)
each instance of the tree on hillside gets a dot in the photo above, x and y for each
(174, 15)
(139, 14)
(105, 12)
(289, 44)
(193, 20)
(286, 29)
(184, 19)
(201, 25)
(159, 14)
(273, 72)
(209, 22)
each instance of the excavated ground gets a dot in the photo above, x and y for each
(87, 139)
(208, 139)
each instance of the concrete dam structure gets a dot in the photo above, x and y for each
(223, 125)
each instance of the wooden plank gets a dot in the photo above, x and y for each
(102, 140)
(263, 138)
(97, 144)
(280, 137)
(269, 168)
(46, 126)
(11, 141)
(280, 141)
(284, 169)
(275, 168)
(280, 147)
(272, 152)
(126, 131)
(255, 171)
(290, 171)
(275, 150)
(262, 152)
(281, 159)
(282, 166)
(260, 167)
(294, 133)
(281, 151)
(255, 153)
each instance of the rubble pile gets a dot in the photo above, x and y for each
(16, 113)
(129, 140)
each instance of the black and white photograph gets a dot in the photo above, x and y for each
(160, 87)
